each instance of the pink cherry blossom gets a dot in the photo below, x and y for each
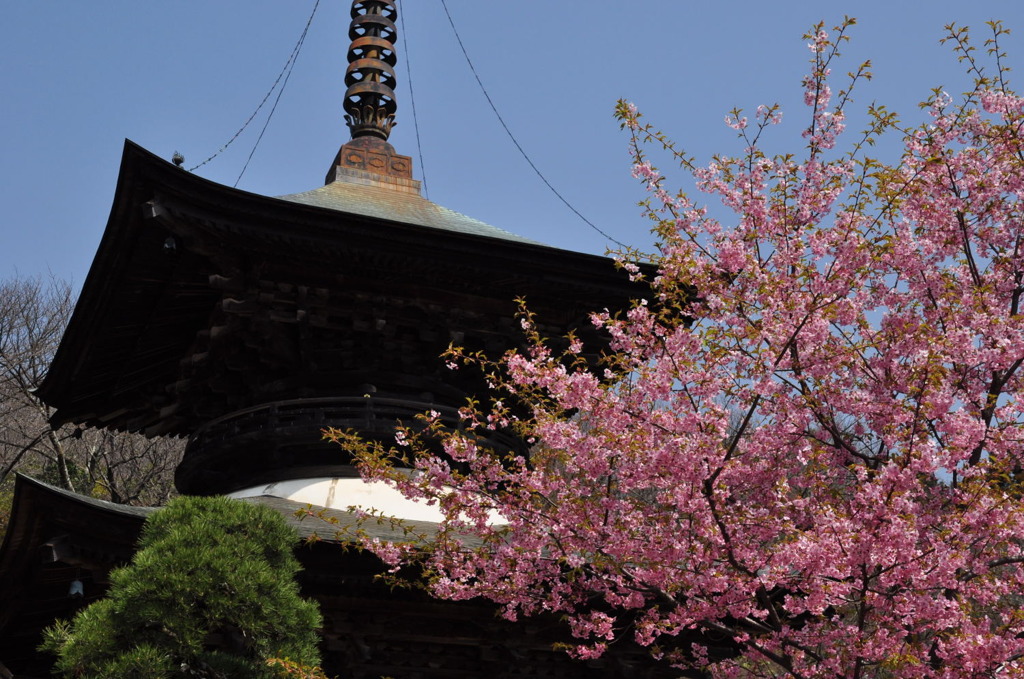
(803, 455)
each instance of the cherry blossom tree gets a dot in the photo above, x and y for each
(802, 455)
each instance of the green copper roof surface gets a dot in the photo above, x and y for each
(398, 205)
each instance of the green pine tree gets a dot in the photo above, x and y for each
(210, 594)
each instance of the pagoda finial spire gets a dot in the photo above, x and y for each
(370, 98)
(370, 102)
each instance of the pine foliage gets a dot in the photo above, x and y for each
(210, 593)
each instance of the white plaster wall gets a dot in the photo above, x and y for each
(342, 493)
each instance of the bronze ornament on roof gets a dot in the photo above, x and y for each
(370, 102)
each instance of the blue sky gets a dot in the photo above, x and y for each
(78, 78)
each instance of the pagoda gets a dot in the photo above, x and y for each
(248, 324)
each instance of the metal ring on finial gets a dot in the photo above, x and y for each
(370, 103)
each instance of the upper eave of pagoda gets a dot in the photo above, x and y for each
(150, 290)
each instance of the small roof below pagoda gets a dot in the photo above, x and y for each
(371, 629)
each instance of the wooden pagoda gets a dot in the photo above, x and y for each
(248, 324)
